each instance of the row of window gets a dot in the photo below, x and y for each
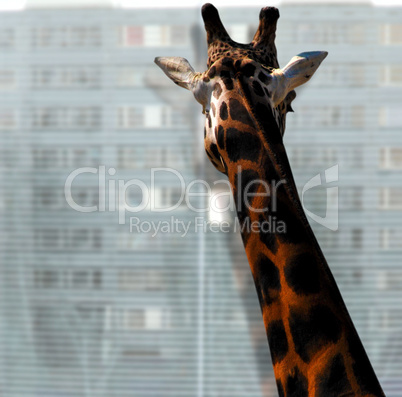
(154, 280)
(65, 118)
(352, 198)
(90, 77)
(76, 240)
(52, 198)
(128, 319)
(302, 157)
(330, 33)
(343, 33)
(390, 158)
(66, 36)
(177, 35)
(67, 278)
(389, 239)
(68, 239)
(147, 156)
(129, 279)
(91, 36)
(128, 157)
(69, 77)
(59, 118)
(58, 348)
(51, 157)
(328, 116)
(90, 118)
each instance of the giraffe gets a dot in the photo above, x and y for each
(245, 96)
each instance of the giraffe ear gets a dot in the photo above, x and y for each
(180, 71)
(301, 67)
(297, 72)
(177, 69)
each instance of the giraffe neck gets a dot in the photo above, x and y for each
(314, 346)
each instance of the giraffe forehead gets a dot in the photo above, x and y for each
(221, 49)
(239, 66)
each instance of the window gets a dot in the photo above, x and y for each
(66, 77)
(55, 345)
(66, 36)
(178, 35)
(351, 198)
(329, 33)
(313, 157)
(168, 197)
(130, 77)
(390, 280)
(48, 198)
(84, 196)
(7, 158)
(328, 240)
(62, 118)
(42, 77)
(82, 156)
(46, 278)
(389, 320)
(391, 239)
(130, 117)
(141, 238)
(68, 239)
(391, 75)
(67, 278)
(55, 157)
(390, 116)
(328, 116)
(41, 37)
(150, 116)
(143, 157)
(390, 198)
(391, 34)
(156, 36)
(130, 157)
(7, 38)
(153, 35)
(82, 36)
(150, 318)
(351, 75)
(131, 36)
(7, 119)
(357, 116)
(141, 279)
(357, 238)
(391, 158)
(7, 80)
(132, 319)
(45, 158)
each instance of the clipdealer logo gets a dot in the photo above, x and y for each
(216, 199)
(331, 218)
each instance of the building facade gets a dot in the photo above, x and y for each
(94, 300)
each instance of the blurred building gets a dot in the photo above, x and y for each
(89, 308)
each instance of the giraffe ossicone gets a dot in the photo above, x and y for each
(315, 349)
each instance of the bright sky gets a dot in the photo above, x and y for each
(19, 4)
(242, 3)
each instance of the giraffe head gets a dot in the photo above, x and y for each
(243, 88)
